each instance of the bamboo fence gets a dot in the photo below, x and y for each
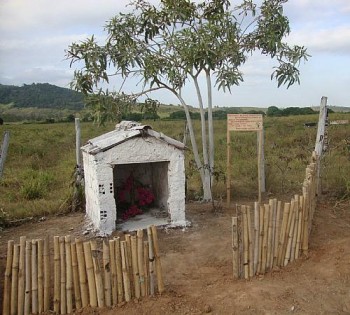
(273, 235)
(83, 273)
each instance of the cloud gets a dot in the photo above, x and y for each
(334, 41)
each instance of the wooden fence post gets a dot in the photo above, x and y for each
(3, 151)
(8, 276)
(235, 252)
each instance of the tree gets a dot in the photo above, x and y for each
(170, 45)
(273, 111)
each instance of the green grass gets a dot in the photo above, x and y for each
(41, 159)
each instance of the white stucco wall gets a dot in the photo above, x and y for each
(100, 202)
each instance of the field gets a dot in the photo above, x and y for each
(196, 261)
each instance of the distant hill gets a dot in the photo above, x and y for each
(40, 95)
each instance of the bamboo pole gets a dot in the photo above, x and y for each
(151, 260)
(47, 282)
(118, 260)
(256, 237)
(265, 239)
(270, 236)
(129, 263)
(235, 252)
(277, 231)
(282, 235)
(75, 270)
(245, 243)
(90, 274)
(250, 243)
(140, 262)
(57, 275)
(290, 235)
(114, 278)
(286, 236)
(274, 214)
(107, 274)
(295, 231)
(300, 226)
(8, 275)
(126, 280)
(21, 273)
(159, 273)
(261, 237)
(14, 280)
(146, 266)
(305, 240)
(28, 269)
(69, 274)
(63, 276)
(40, 243)
(34, 271)
(135, 267)
(98, 273)
(83, 282)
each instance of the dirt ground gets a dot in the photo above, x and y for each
(197, 267)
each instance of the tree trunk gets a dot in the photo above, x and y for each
(210, 125)
(205, 178)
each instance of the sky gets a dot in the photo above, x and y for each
(34, 35)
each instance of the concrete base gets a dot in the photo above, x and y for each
(142, 221)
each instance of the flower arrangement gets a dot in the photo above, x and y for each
(133, 198)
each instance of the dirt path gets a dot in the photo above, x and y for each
(197, 268)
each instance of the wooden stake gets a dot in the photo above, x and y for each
(151, 260)
(261, 237)
(90, 274)
(273, 206)
(114, 278)
(305, 240)
(34, 292)
(83, 283)
(140, 262)
(280, 255)
(265, 239)
(14, 281)
(135, 267)
(28, 269)
(245, 243)
(126, 279)
(129, 263)
(160, 281)
(250, 243)
(277, 231)
(286, 236)
(40, 243)
(300, 225)
(256, 237)
(270, 236)
(98, 273)
(75, 269)
(57, 276)
(296, 223)
(69, 280)
(107, 274)
(146, 266)
(290, 235)
(235, 248)
(118, 260)
(8, 276)
(21, 273)
(47, 280)
(63, 276)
